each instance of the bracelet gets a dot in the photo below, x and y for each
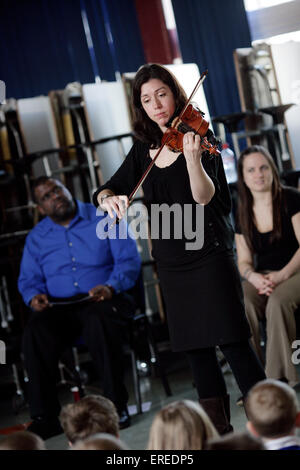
(247, 273)
(104, 197)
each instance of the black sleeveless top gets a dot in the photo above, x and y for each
(275, 255)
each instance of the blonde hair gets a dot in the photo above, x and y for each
(181, 425)
(272, 408)
(100, 441)
(23, 440)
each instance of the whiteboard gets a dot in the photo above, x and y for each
(287, 66)
(108, 113)
(39, 130)
(188, 75)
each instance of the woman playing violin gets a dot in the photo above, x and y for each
(200, 284)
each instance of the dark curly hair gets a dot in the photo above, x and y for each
(144, 128)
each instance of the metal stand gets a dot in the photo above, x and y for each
(5, 309)
(281, 149)
(277, 131)
(231, 122)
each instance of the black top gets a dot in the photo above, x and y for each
(275, 255)
(171, 185)
(201, 288)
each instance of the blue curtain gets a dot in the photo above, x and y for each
(208, 33)
(126, 54)
(43, 44)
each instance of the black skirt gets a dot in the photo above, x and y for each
(204, 302)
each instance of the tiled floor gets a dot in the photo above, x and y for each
(153, 396)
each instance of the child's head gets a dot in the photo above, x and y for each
(90, 415)
(23, 440)
(235, 441)
(101, 441)
(272, 409)
(181, 425)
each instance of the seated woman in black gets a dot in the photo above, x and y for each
(267, 240)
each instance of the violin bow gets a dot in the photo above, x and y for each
(139, 184)
(198, 84)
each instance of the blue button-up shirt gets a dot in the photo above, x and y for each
(65, 261)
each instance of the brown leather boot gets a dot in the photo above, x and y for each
(218, 409)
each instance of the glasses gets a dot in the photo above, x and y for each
(56, 190)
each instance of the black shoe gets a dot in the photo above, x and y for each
(45, 428)
(124, 419)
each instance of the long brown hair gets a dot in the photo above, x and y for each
(246, 216)
(144, 128)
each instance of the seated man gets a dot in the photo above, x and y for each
(64, 260)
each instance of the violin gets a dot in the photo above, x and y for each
(191, 120)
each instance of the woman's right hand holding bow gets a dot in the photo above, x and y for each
(114, 205)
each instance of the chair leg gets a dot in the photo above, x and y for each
(156, 360)
(18, 401)
(61, 368)
(70, 372)
(79, 381)
(136, 382)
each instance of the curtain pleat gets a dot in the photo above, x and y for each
(208, 33)
(43, 44)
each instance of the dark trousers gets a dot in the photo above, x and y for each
(48, 333)
(208, 375)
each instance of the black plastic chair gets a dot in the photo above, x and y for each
(14, 364)
(139, 343)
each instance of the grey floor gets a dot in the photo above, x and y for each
(153, 397)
